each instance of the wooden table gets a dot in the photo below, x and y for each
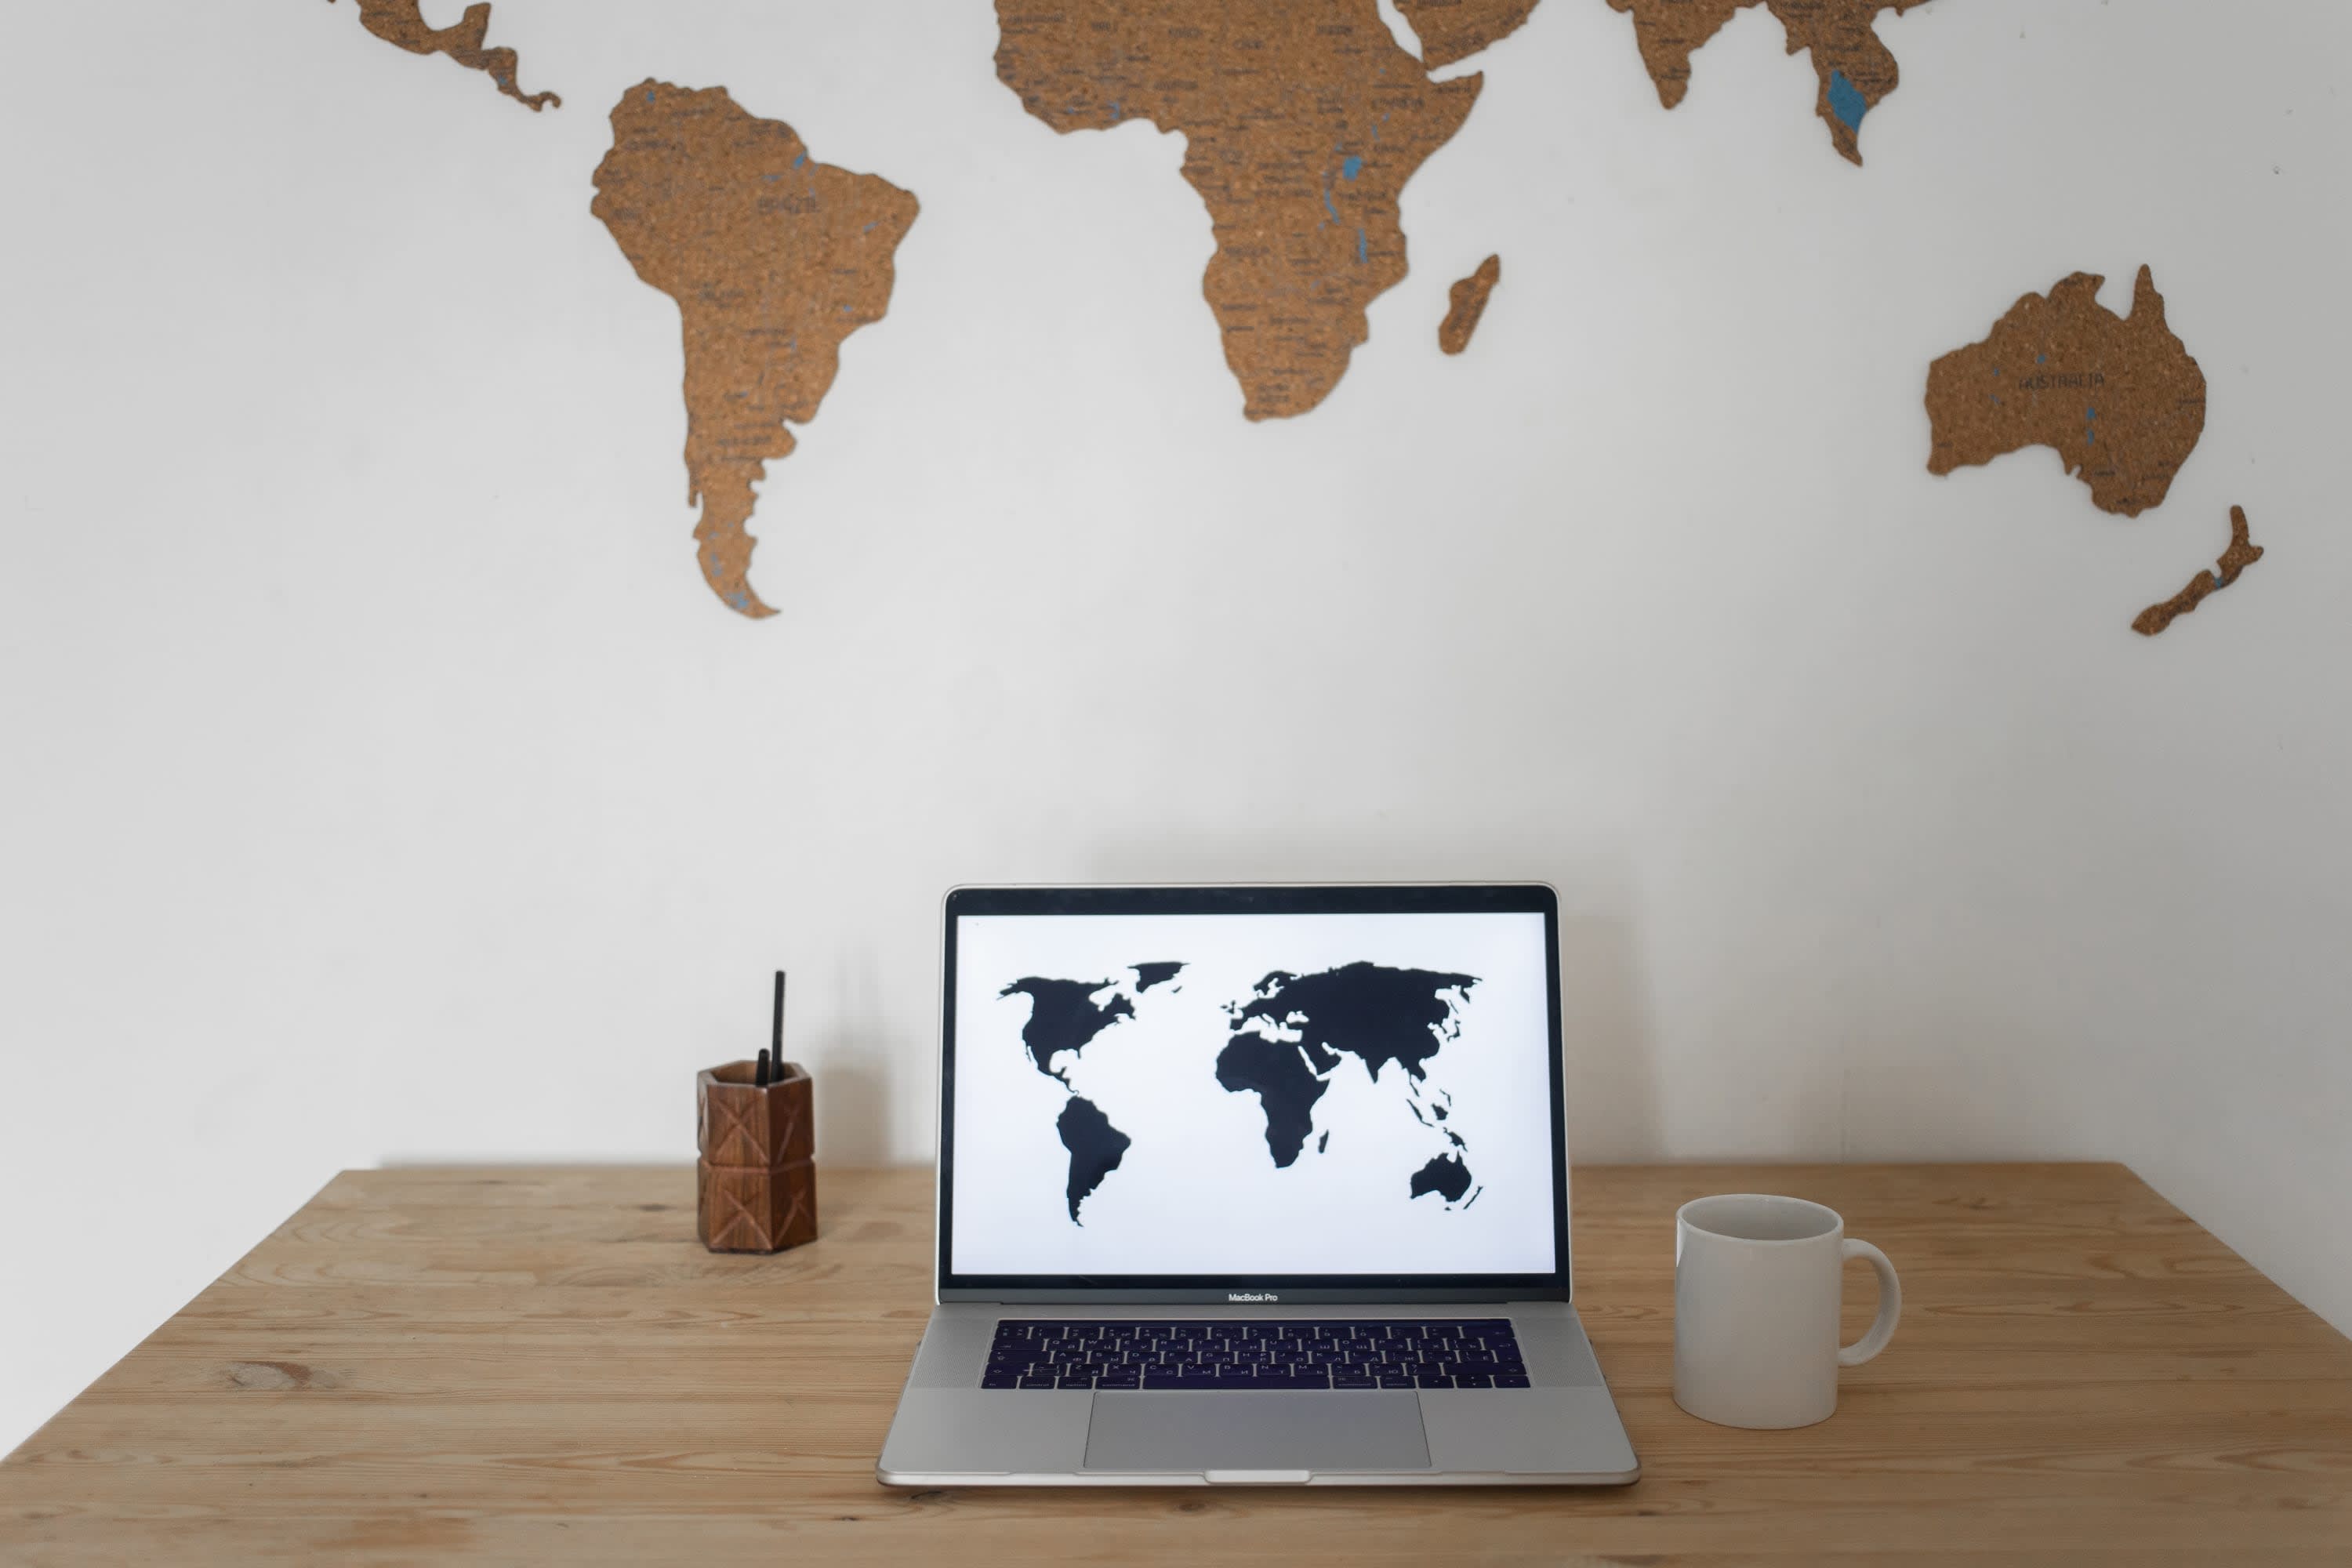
(539, 1364)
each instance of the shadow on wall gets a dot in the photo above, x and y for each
(853, 1101)
(851, 1065)
(1612, 1058)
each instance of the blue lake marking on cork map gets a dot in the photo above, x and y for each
(1846, 100)
(1289, 1037)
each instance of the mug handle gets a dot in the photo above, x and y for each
(1890, 1304)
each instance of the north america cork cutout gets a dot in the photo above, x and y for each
(2118, 397)
(402, 23)
(2242, 553)
(1302, 124)
(1854, 68)
(1468, 303)
(773, 260)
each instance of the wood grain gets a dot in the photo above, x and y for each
(754, 1176)
(527, 1365)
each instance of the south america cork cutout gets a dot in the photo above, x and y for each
(2118, 397)
(1452, 30)
(1301, 125)
(1468, 302)
(402, 23)
(773, 260)
(2242, 554)
(1855, 70)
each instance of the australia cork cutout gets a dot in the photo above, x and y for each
(2242, 553)
(401, 23)
(1855, 70)
(773, 260)
(1452, 30)
(2118, 397)
(1301, 125)
(1468, 298)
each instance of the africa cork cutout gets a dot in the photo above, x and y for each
(2242, 554)
(1855, 70)
(773, 260)
(1469, 302)
(401, 23)
(1301, 126)
(2118, 397)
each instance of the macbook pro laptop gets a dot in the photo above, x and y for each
(1252, 1186)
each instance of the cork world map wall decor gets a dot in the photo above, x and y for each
(402, 23)
(1854, 68)
(1303, 122)
(2240, 554)
(2119, 398)
(1453, 30)
(773, 260)
(1465, 303)
(1301, 125)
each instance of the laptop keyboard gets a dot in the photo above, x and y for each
(1240, 1353)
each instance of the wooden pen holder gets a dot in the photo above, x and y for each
(755, 1186)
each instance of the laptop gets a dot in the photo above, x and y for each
(1254, 1186)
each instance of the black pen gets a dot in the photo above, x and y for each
(776, 1027)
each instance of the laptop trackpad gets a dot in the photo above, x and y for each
(1242, 1430)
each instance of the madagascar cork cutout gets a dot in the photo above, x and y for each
(773, 260)
(2242, 554)
(1468, 298)
(1301, 125)
(400, 23)
(2118, 397)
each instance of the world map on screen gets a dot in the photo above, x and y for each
(1288, 1039)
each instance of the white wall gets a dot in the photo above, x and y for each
(382, 784)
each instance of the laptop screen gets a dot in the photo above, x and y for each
(1244, 1092)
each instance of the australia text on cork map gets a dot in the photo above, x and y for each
(1854, 68)
(2118, 397)
(401, 23)
(773, 260)
(2241, 553)
(1064, 1020)
(1302, 123)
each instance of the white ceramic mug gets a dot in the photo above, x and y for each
(1758, 1282)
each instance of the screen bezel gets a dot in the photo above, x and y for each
(1487, 898)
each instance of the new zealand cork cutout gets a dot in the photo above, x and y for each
(1854, 68)
(773, 260)
(2118, 397)
(1452, 30)
(1468, 298)
(1301, 122)
(2242, 554)
(399, 22)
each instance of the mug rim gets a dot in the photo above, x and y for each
(1836, 1225)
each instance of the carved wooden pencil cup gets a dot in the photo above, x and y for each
(755, 1187)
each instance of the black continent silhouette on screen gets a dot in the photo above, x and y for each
(1289, 1036)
